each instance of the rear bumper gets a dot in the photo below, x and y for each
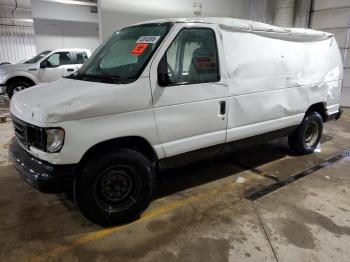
(43, 176)
(336, 115)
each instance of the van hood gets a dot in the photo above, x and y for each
(68, 99)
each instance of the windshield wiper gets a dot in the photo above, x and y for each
(102, 77)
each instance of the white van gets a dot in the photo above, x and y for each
(165, 89)
(47, 66)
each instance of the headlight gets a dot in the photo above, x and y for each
(54, 139)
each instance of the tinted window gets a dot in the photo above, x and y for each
(192, 57)
(81, 57)
(57, 59)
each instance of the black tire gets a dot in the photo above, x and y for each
(115, 188)
(306, 137)
(11, 89)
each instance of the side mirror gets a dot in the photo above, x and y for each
(162, 72)
(44, 64)
(163, 79)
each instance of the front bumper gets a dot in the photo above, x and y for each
(2, 89)
(43, 176)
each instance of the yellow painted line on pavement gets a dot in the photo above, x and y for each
(92, 236)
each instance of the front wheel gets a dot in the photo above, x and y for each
(307, 136)
(115, 188)
(17, 86)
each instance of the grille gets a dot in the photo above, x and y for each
(29, 135)
(20, 131)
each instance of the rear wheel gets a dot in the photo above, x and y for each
(307, 136)
(115, 188)
(17, 86)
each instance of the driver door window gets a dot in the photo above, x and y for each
(192, 58)
(57, 59)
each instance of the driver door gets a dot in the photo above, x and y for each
(190, 102)
(52, 67)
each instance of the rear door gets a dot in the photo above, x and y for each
(190, 101)
(78, 59)
(72, 66)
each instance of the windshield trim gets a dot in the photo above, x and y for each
(84, 77)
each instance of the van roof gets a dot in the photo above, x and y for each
(234, 24)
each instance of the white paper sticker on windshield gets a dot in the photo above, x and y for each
(148, 39)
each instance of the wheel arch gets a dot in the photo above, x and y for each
(136, 143)
(19, 78)
(319, 108)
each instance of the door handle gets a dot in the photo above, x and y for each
(222, 108)
(70, 69)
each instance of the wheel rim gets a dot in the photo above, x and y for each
(116, 189)
(18, 88)
(311, 134)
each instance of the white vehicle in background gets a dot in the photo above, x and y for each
(47, 66)
(172, 89)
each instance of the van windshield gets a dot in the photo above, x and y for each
(122, 58)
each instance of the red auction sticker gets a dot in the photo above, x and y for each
(139, 49)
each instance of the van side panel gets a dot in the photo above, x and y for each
(273, 82)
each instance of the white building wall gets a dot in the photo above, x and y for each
(259, 10)
(16, 43)
(53, 34)
(115, 14)
(334, 16)
(17, 40)
(58, 25)
(284, 13)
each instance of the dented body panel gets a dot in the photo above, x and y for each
(272, 79)
(269, 78)
(87, 120)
